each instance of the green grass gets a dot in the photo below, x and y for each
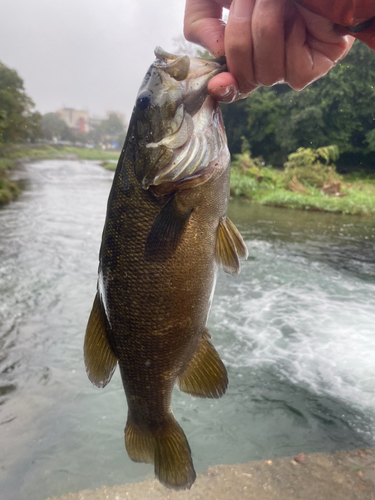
(92, 154)
(109, 165)
(8, 190)
(268, 186)
(354, 203)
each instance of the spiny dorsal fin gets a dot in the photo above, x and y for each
(166, 230)
(99, 359)
(166, 447)
(206, 375)
(230, 247)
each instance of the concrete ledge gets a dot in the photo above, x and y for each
(344, 475)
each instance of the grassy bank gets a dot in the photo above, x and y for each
(294, 187)
(10, 154)
(316, 188)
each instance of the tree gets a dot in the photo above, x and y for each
(337, 109)
(109, 131)
(54, 127)
(18, 121)
(112, 126)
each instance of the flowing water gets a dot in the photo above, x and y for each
(295, 329)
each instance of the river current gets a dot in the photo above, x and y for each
(296, 331)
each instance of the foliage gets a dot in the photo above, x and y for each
(300, 184)
(55, 128)
(108, 131)
(18, 121)
(336, 109)
(355, 201)
(306, 166)
(250, 176)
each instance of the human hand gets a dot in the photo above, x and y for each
(265, 42)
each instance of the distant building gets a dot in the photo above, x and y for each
(75, 119)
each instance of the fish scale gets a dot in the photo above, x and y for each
(160, 252)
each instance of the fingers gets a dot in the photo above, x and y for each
(238, 45)
(254, 43)
(268, 41)
(312, 48)
(203, 24)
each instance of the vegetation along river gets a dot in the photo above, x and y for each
(295, 329)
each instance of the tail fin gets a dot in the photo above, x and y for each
(167, 448)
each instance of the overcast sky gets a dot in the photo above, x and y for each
(86, 54)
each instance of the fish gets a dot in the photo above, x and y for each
(165, 236)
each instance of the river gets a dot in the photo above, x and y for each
(296, 331)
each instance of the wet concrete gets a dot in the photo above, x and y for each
(344, 475)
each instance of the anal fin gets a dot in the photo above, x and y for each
(99, 359)
(206, 375)
(230, 247)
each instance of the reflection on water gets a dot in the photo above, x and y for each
(295, 330)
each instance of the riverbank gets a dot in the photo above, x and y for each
(316, 187)
(344, 475)
(11, 154)
(265, 185)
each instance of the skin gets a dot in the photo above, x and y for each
(265, 42)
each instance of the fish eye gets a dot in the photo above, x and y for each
(144, 100)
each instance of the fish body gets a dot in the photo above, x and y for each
(165, 235)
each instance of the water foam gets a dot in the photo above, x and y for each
(307, 321)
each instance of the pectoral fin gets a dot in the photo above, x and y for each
(230, 247)
(206, 375)
(99, 359)
(166, 230)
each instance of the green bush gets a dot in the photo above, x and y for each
(312, 167)
(251, 178)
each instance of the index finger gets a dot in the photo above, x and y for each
(203, 24)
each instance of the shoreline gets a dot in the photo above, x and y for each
(343, 475)
(11, 155)
(357, 199)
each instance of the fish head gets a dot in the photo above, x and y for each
(176, 127)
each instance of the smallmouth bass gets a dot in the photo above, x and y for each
(166, 233)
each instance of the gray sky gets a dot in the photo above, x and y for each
(86, 54)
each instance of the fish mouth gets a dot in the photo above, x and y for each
(201, 72)
(198, 141)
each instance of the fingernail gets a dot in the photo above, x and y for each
(225, 94)
(242, 9)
